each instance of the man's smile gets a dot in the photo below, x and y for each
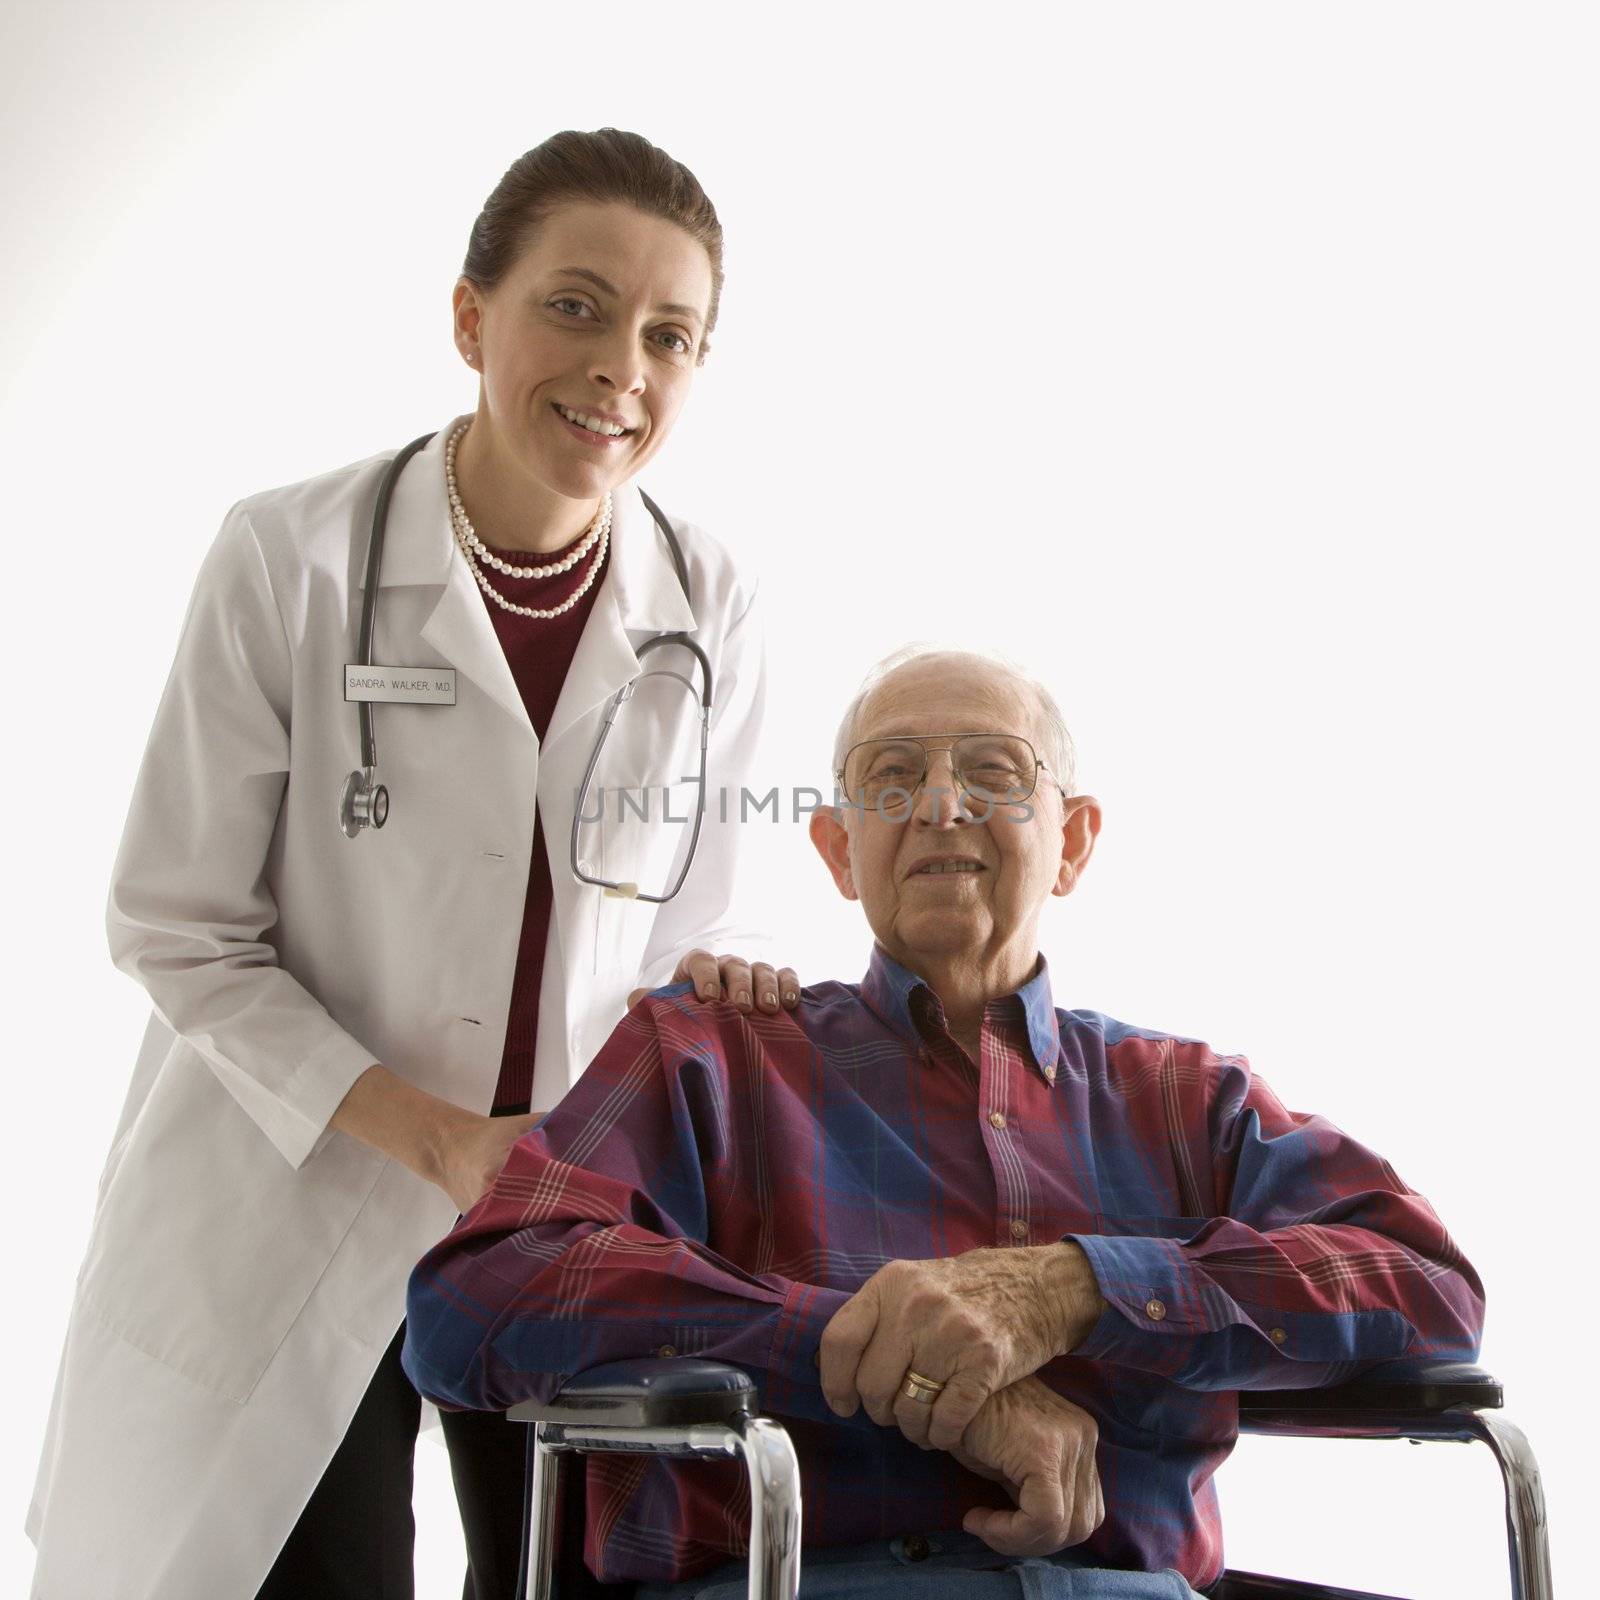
(945, 866)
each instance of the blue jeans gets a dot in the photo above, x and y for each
(942, 1566)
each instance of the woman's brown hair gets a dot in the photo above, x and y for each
(601, 167)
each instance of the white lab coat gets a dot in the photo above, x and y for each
(247, 1265)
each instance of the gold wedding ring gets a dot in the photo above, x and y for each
(923, 1390)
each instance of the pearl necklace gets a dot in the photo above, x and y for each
(473, 548)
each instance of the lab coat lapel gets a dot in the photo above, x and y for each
(461, 631)
(639, 596)
(420, 548)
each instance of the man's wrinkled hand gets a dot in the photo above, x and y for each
(1041, 1448)
(976, 1323)
(750, 985)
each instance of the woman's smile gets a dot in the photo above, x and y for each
(592, 430)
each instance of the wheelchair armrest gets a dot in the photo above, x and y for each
(1442, 1400)
(1413, 1387)
(669, 1406)
(655, 1393)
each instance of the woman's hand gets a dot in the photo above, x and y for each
(456, 1149)
(750, 986)
(471, 1150)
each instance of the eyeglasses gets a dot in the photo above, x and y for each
(989, 768)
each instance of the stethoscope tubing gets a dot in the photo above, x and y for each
(369, 599)
(613, 706)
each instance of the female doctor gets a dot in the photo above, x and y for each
(349, 1033)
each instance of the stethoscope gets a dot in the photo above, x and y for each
(364, 802)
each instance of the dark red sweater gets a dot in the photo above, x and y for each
(539, 649)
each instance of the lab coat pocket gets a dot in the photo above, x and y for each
(207, 1244)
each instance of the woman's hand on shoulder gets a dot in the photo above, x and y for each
(750, 985)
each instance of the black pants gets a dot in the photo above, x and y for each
(354, 1539)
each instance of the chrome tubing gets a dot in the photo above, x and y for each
(1527, 1525)
(769, 1460)
(543, 1488)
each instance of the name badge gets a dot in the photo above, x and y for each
(417, 686)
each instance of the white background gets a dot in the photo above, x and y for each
(1233, 366)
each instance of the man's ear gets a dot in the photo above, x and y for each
(1080, 827)
(832, 839)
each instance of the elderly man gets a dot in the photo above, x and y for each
(999, 1267)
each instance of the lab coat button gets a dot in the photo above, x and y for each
(1155, 1310)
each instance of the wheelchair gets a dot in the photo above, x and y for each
(687, 1407)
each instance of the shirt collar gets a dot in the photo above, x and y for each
(888, 988)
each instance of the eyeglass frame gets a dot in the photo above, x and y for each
(963, 793)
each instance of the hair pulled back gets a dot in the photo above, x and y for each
(608, 165)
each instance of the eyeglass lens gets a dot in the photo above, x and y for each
(994, 768)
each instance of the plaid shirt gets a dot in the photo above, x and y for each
(719, 1185)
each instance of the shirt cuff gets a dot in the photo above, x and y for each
(1153, 1301)
(796, 1351)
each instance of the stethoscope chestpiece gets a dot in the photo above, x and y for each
(363, 803)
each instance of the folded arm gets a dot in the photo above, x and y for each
(1321, 1262)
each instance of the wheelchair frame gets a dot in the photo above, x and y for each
(686, 1407)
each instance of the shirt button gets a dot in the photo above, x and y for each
(1155, 1310)
(1278, 1336)
(997, 1119)
(916, 1547)
(666, 1351)
(1019, 1228)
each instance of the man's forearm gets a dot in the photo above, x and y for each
(1295, 1307)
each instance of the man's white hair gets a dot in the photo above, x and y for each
(1051, 733)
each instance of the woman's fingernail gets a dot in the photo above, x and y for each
(789, 997)
(743, 997)
(708, 991)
